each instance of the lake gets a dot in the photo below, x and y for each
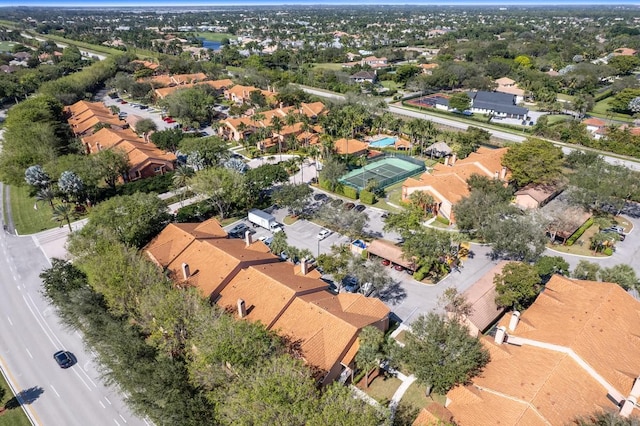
(213, 45)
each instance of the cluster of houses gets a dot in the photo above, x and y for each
(244, 278)
(572, 353)
(145, 159)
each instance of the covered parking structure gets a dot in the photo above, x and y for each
(391, 252)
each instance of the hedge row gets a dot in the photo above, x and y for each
(574, 237)
(367, 197)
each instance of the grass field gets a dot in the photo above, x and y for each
(391, 85)
(601, 109)
(213, 36)
(13, 416)
(557, 118)
(328, 66)
(382, 388)
(6, 46)
(27, 219)
(563, 97)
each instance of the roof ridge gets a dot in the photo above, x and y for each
(528, 405)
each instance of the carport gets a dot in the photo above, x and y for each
(391, 252)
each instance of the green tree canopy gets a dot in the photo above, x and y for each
(293, 197)
(534, 161)
(517, 286)
(441, 353)
(220, 186)
(459, 101)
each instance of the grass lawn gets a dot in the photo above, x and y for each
(557, 118)
(213, 36)
(601, 109)
(13, 416)
(581, 246)
(288, 220)
(6, 46)
(415, 396)
(389, 84)
(382, 388)
(328, 66)
(27, 219)
(401, 337)
(566, 98)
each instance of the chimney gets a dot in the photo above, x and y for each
(503, 173)
(500, 335)
(303, 266)
(496, 175)
(186, 273)
(242, 309)
(446, 160)
(513, 323)
(98, 146)
(632, 400)
(454, 157)
(247, 238)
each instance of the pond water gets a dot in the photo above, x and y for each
(207, 44)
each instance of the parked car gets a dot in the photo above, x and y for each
(398, 268)
(349, 206)
(360, 208)
(350, 284)
(64, 359)
(123, 102)
(615, 230)
(240, 228)
(144, 106)
(385, 262)
(323, 234)
(336, 203)
(320, 197)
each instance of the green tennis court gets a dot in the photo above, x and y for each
(385, 172)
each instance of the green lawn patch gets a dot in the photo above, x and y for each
(416, 397)
(601, 110)
(566, 98)
(213, 36)
(382, 388)
(6, 46)
(391, 85)
(13, 415)
(289, 220)
(26, 218)
(557, 118)
(581, 246)
(328, 66)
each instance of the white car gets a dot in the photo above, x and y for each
(323, 234)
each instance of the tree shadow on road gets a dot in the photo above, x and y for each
(392, 293)
(27, 396)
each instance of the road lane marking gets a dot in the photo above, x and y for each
(81, 379)
(38, 321)
(10, 322)
(100, 402)
(54, 389)
(28, 352)
(107, 400)
(116, 422)
(123, 419)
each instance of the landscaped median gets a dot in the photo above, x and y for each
(11, 413)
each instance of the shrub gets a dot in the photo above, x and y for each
(350, 192)
(421, 273)
(443, 220)
(367, 197)
(158, 184)
(365, 254)
(608, 251)
(574, 237)
(197, 212)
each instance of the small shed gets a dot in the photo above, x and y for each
(535, 196)
(438, 150)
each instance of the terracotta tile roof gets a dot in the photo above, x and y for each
(309, 137)
(313, 109)
(598, 322)
(390, 251)
(158, 80)
(324, 338)
(147, 64)
(356, 309)
(624, 51)
(267, 290)
(140, 153)
(540, 193)
(433, 414)
(505, 81)
(487, 161)
(482, 298)
(512, 90)
(351, 353)
(188, 78)
(543, 383)
(429, 66)
(350, 146)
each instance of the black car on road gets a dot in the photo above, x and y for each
(64, 359)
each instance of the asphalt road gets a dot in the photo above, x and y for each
(31, 333)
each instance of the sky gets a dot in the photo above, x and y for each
(162, 3)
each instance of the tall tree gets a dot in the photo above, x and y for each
(220, 186)
(534, 161)
(293, 197)
(517, 285)
(441, 353)
(371, 350)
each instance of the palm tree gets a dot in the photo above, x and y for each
(63, 213)
(46, 194)
(423, 200)
(181, 178)
(276, 126)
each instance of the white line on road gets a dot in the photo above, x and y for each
(31, 356)
(100, 402)
(116, 422)
(123, 419)
(10, 322)
(81, 379)
(38, 321)
(54, 389)
(145, 420)
(107, 400)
